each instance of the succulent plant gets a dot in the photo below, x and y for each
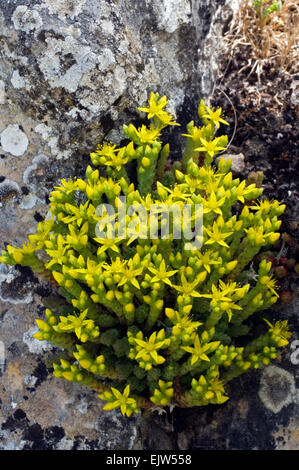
(160, 305)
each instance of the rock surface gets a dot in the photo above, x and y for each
(71, 72)
(237, 161)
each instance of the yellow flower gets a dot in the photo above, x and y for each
(188, 288)
(215, 116)
(280, 329)
(212, 204)
(270, 283)
(216, 386)
(222, 297)
(115, 267)
(242, 190)
(206, 259)
(81, 327)
(210, 146)
(147, 136)
(43, 230)
(108, 243)
(161, 274)
(155, 107)
(216, 236)
(106, 150)
(263, 206)
(195, 134)
(129, 274)
(67, 186)
(199, 351)
(182, 324)
(168, 120)
(57, 254)
(145, 351)
(116, 160)
(120, 400)
(77, 214)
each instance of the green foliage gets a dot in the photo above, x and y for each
(154, 321)
(263, 7)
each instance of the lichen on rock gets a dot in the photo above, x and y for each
(14, 140)
(277, 388)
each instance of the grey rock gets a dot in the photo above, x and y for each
(238, 161)
(81, 63)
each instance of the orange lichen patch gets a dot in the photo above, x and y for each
(9, 196)
(15, 379)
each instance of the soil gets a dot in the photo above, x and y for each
(266, 132)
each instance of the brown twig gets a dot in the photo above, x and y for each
(269, 40)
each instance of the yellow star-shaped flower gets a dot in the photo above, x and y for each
(215, 116)
(162, 274)
(199, 351)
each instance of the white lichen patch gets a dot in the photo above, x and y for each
(65, 62)
(43, 130)
(107, 26)
(6, 273)
(31, 177)
(28, 175)
(119, 79)
(11, 441)
(26, 19)
(2, 92)
(14, 140)
(35, 346)
(172, 13)
(82, 406)
(64, 8)
(277, 388)
(30, 380)
(106, 59)
(175, 102)
(74, 112)
(28, 201)
(139, 92)
(63, 155)
(18, 81)
(65, 444)
(7, 276)
(46, 133)
(2, 355)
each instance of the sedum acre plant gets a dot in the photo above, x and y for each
(160, 309)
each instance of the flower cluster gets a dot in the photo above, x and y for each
(150, 318)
